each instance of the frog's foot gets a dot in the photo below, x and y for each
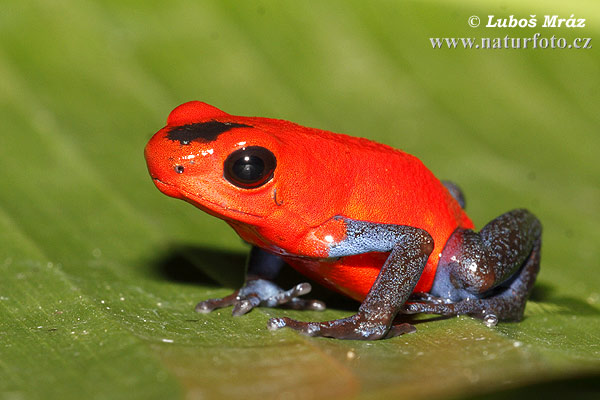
(263, 293)
(355, 327)
(506, 303)
(493, 308)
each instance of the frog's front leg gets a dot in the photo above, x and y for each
(410, 248)
(489, 273)
(260, 290)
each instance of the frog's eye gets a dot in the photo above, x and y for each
(250, 167)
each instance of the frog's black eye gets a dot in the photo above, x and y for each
(250, 167)
(179, 169)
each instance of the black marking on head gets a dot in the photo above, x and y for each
(202, 131)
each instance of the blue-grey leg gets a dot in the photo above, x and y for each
(260, 290)
(410, 248)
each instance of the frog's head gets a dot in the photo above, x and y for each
(223, 164)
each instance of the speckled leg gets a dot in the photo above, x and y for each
(259, 290)
(394, 284)
(489, 273)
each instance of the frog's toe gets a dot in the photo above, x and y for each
(206, 306)
(277, 323)
(430, 307)
(244, 305)
(305, 304)
(411, 308)
(400, 329)
(427, 303)
(307, 328)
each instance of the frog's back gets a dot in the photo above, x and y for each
(366, 180)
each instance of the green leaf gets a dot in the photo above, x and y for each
(99, 272)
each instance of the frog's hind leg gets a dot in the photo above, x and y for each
(487, 273)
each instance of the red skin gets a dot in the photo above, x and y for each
(319, 175)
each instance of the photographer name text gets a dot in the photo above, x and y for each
(550, 21)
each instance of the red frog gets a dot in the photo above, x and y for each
(359, 217)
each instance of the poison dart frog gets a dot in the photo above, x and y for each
(361, 218)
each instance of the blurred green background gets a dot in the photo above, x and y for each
(99, 272)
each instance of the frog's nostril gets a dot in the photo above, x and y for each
(179, 169)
